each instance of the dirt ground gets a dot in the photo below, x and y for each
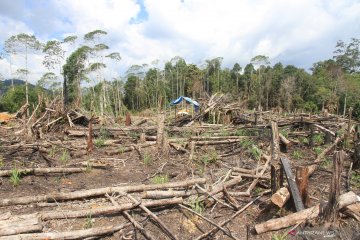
(58, 149)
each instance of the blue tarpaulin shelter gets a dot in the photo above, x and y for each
(188, 100)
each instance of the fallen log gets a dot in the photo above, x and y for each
(219, 187)
(204, 143)
(167, 194)
(98, 192)
(77, 234)
(21, 224)
(41, 171)
(298, 217)
(128, 149)
(65, 214)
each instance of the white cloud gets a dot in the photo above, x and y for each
(293, 32)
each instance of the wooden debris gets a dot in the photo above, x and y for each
(292, 184)
(98, 192)
(280, 197)
(306, 214)
(276, 172)
(330, 212)
(76, 234)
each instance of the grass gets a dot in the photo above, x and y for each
(104, 133)
(147, 158)
(278, 237)
(255, 152)
(89, 223)
(284, 132)
(317, 150)
(99, 142)
(246, 143)
(15, 177)
(355, 179)
(197, 206)
(319, 139)
(121, 149)
(297, 154)
(134, 135)
(326, 163)
(88, 166)
(160, 179)
(304, 140)
(210, 157)
(1, 161)
(224, 132)
(52, 152)
(65, 156)
(241, 132)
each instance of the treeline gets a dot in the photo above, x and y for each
(332, 84)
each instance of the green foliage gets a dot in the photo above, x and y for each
(241, 132)
(355, 179)
(326, 163)
(1, 161)
(304, 140)
(12, 100)
(255, 152)
(73, 73)
(297, 154)
(160, 179)
(65, 156)
(121, 149)
(89, 222)
(279, 237)
(15, 177)
(99, 142)
(88, 166)
(197, 206)
(284, 132)
(246, 143)
(53, 150)
(147, 159)
(319, 138)
(317, 150)
(210, 157)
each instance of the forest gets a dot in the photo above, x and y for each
(77, 73)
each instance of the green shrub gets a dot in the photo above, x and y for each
(99, 142)
(160, 179)
(15, 176)
(197, 206)
(65, 156)
(147, 158)
(297, 154)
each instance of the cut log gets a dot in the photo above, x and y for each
(306, 214)
(98, 192)
(77, 234)
(19, 224)
(128, 149)
(42, 171)
(106, 210)
(219, 187)
(178, 147)
(280, 197)
(228, 141)
(167, 194)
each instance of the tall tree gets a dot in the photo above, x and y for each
(23, 44)
(74, 70)
(348, 55)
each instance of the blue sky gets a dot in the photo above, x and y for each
(298, 32)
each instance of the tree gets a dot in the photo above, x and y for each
(348, 55)
(235, 73)
(74, 69)
(23, 44)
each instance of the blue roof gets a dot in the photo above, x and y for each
(187, 99)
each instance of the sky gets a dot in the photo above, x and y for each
(297, 32)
